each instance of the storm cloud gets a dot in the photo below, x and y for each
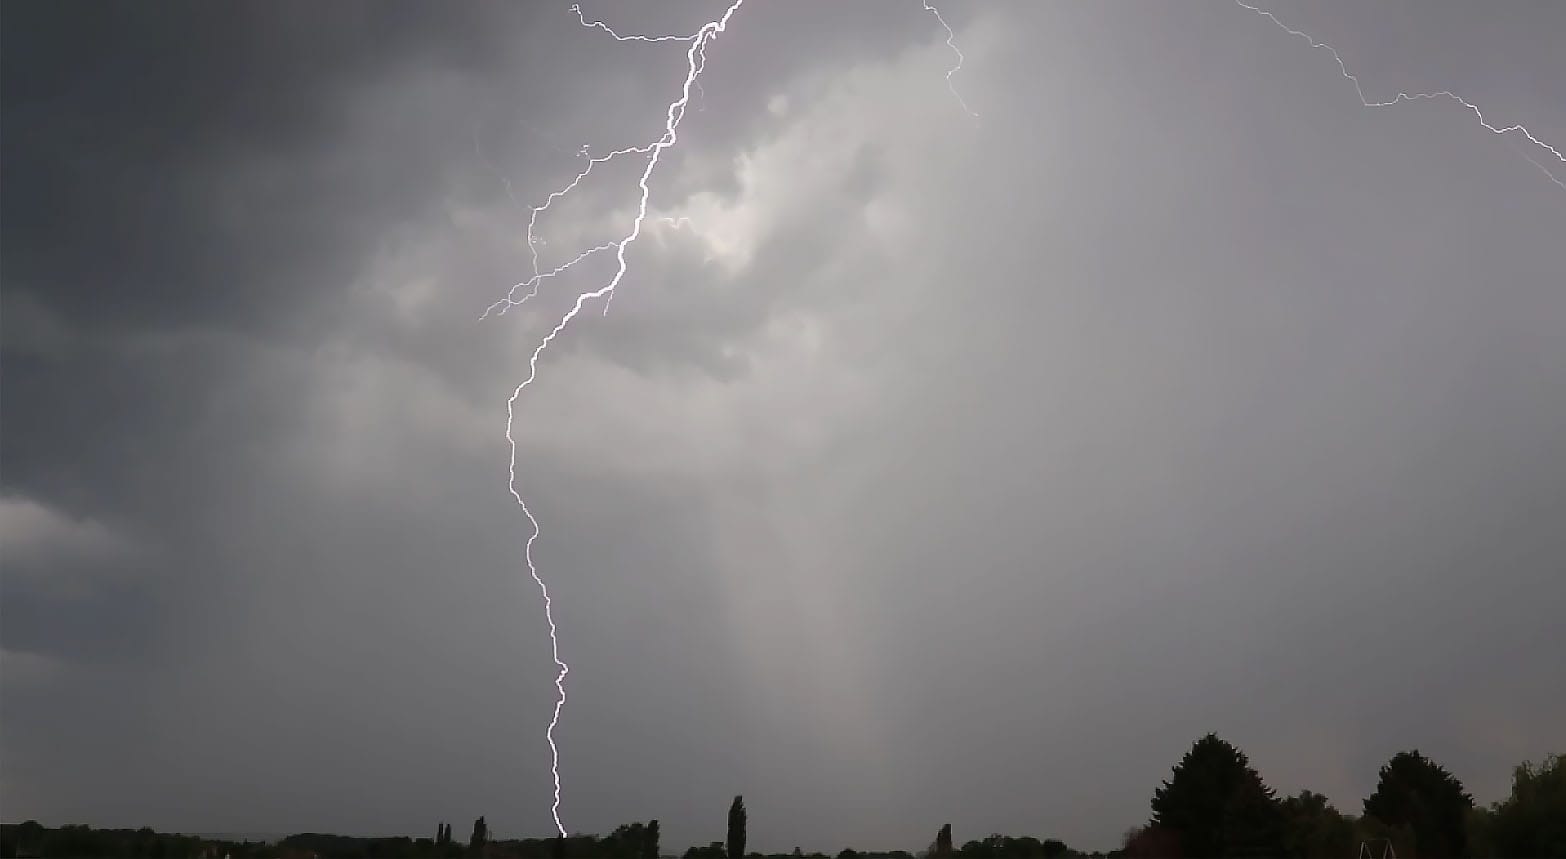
(935, 468)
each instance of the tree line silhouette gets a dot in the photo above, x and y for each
(1214, 805)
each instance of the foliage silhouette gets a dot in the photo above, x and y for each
(715, 850)
(650, 841)
(1416, 792)
(1313, 829)
(737, 828)
(1217, 805)
(1213, 805)
(1149, 842)
(1532, 820)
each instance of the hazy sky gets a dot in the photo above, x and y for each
(940, 469)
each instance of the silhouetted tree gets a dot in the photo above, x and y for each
(943, 842)
(480, 835)
(25, 838)
(650, 841)
(1218, 805)
(1008, 847)
(627, 841)
(1417, 792)
(1532, 821)
(1481, 832)
(711, 851)
(1150, 842)
(737, 828)
(1313, 829)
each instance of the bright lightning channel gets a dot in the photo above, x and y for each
(951, 42)
(696, 58)
(1403, 96)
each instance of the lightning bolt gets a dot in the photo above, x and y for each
(605, 27)
(951, 42)
(696, 60)
(1403, 96)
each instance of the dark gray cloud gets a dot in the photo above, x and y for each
(970, 468)
(168, 167)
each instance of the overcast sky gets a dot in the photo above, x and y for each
(937, 469)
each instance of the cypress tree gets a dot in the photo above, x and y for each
(737, 828)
